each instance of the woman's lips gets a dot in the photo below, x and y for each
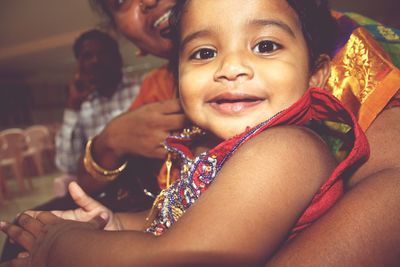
(161, 25)
(234, 104)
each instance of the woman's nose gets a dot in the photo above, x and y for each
(233, 67)
(147, 5)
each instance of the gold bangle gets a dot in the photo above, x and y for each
(96, 171)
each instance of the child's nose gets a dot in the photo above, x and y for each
(233, 67)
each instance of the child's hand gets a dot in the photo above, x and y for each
(89, 209)
(38, 235)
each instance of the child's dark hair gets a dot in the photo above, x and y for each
(319, 28)
(100, 36)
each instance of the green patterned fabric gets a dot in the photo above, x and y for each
(388, 38)
(337, 136)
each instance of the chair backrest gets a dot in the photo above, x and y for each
(15, 142)
(53, 130)
(38, 136)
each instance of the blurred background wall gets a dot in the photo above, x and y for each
(36, 59)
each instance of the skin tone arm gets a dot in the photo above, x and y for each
(135, 133)
(90, 208)
(363, 228)
(211, 232)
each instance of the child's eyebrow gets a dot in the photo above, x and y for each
(257, 22)
(194, 35)
(273, 22)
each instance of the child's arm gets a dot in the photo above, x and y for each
(363, 228)
(241, 220)
(89, 208)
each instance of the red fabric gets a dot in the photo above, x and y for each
(316, 105)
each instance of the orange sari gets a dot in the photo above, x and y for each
(363, 76)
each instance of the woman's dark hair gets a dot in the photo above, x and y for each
(102, 8)
(319, 28)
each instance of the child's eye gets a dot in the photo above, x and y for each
(266, 47)
(204, 53)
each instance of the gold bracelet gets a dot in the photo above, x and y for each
(97, 172)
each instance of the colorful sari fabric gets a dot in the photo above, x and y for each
(198, 173)
(387, 37)
(363, 76)
(158, 85)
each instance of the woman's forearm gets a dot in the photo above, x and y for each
(80, 247)
(361, 230)
(104, 155)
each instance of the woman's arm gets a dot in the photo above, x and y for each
(135, 133)
(241, 219)
(363, 228)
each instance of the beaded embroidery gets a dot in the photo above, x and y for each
(196, 175)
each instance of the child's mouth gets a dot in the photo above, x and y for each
(230, 104)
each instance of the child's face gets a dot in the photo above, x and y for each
(241, 62)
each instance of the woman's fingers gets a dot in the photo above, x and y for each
(32, 213)
(30, 224)
(46, 217)
(18, 234)
(20, 262)
(63, 214)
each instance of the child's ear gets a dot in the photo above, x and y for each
(321, 72)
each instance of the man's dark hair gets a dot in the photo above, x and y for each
(97, 35)
(110, 44)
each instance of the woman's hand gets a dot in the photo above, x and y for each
(141, 131)
(134, 133)
(39, 235)
(89, 209)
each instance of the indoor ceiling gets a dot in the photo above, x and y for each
(36, 35)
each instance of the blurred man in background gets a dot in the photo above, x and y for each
(97, 93)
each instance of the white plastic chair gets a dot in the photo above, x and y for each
(13, 147)
(39, 141)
